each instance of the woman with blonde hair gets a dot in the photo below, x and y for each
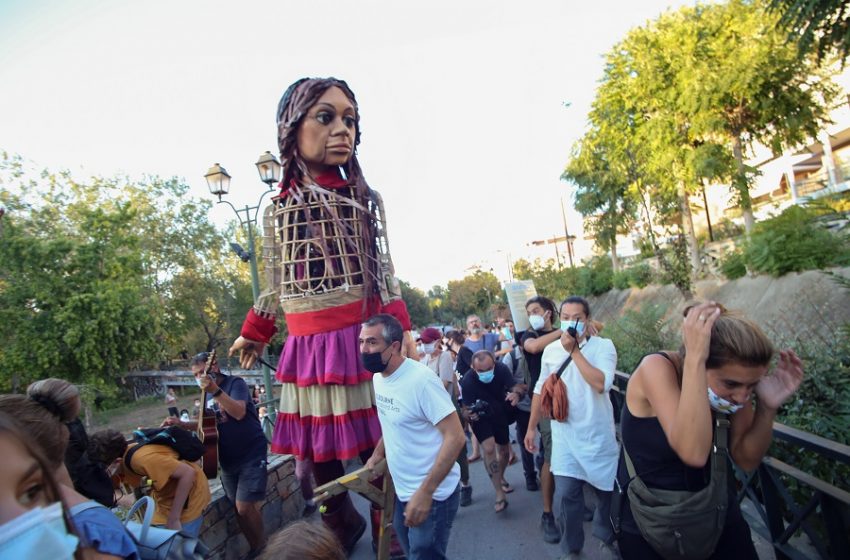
(674, 434)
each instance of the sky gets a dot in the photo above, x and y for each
(469, 109)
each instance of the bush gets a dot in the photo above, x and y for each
(792, 242)
(637, 276)
(641, 275)
(622, 279)
(596, 277)
(733, 265)
(638, 332)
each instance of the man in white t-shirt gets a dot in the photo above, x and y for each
(584, 446)
(421, 439)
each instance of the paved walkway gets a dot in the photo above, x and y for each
(481, 534)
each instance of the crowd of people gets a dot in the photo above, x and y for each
(358, 382)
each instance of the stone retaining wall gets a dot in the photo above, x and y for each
(283, 504)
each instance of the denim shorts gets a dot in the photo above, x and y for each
(246, 483)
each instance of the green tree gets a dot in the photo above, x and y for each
(549, 279)
(602, 191)
(73, 302)
(639, 143)
(747, 85)
(819, 26)
(475, 293)
(418, 305)
(117, 274)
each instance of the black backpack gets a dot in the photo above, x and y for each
(185, 443)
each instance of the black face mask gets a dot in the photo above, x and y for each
(373, 361)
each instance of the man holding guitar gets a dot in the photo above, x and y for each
(242, 445)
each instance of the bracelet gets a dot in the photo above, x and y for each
(217, 393)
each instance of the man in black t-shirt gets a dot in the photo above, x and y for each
(242, 445)
(541, 314)
(493, 383)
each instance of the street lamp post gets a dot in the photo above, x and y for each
(218, 182)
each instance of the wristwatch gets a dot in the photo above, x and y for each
(217, 393)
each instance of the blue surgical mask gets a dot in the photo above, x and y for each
(720, 404)
(579, 327)
(39, 534)
(429, 347)
(486, 376)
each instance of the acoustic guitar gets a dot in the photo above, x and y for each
(207, 429)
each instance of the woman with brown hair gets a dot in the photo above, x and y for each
(42, 414)
(303, 540)
(675, 404)
(33, 521)
(329, 268)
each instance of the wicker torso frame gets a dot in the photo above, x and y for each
(315, 253)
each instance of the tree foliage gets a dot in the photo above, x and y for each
(682, 101)
(819, 26)
(476, 293)
(105, 275)
(418, 305)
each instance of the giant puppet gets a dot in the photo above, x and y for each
(328, 267)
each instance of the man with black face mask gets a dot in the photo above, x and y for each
(421, 439)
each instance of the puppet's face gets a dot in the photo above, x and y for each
(326, 134)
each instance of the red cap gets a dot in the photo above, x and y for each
(430, 335)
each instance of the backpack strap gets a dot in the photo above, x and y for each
(563, 367)
(718, 454)
(128, 459)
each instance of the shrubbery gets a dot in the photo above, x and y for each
(734, 265)
(638, 332)
(637, 276)
(793, 242)
(596, 277)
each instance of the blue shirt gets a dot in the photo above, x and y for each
(239, 441)
(488, 341)
(98, 528)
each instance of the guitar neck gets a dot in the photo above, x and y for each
(201, 414)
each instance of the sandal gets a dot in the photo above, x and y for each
(507, 488)
(503, 504)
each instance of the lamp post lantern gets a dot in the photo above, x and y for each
(218, 181)
(269, 169)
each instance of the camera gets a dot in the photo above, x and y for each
(480, 408)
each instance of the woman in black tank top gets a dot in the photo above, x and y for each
(667, 418)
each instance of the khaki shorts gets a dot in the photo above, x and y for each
(545, 426)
